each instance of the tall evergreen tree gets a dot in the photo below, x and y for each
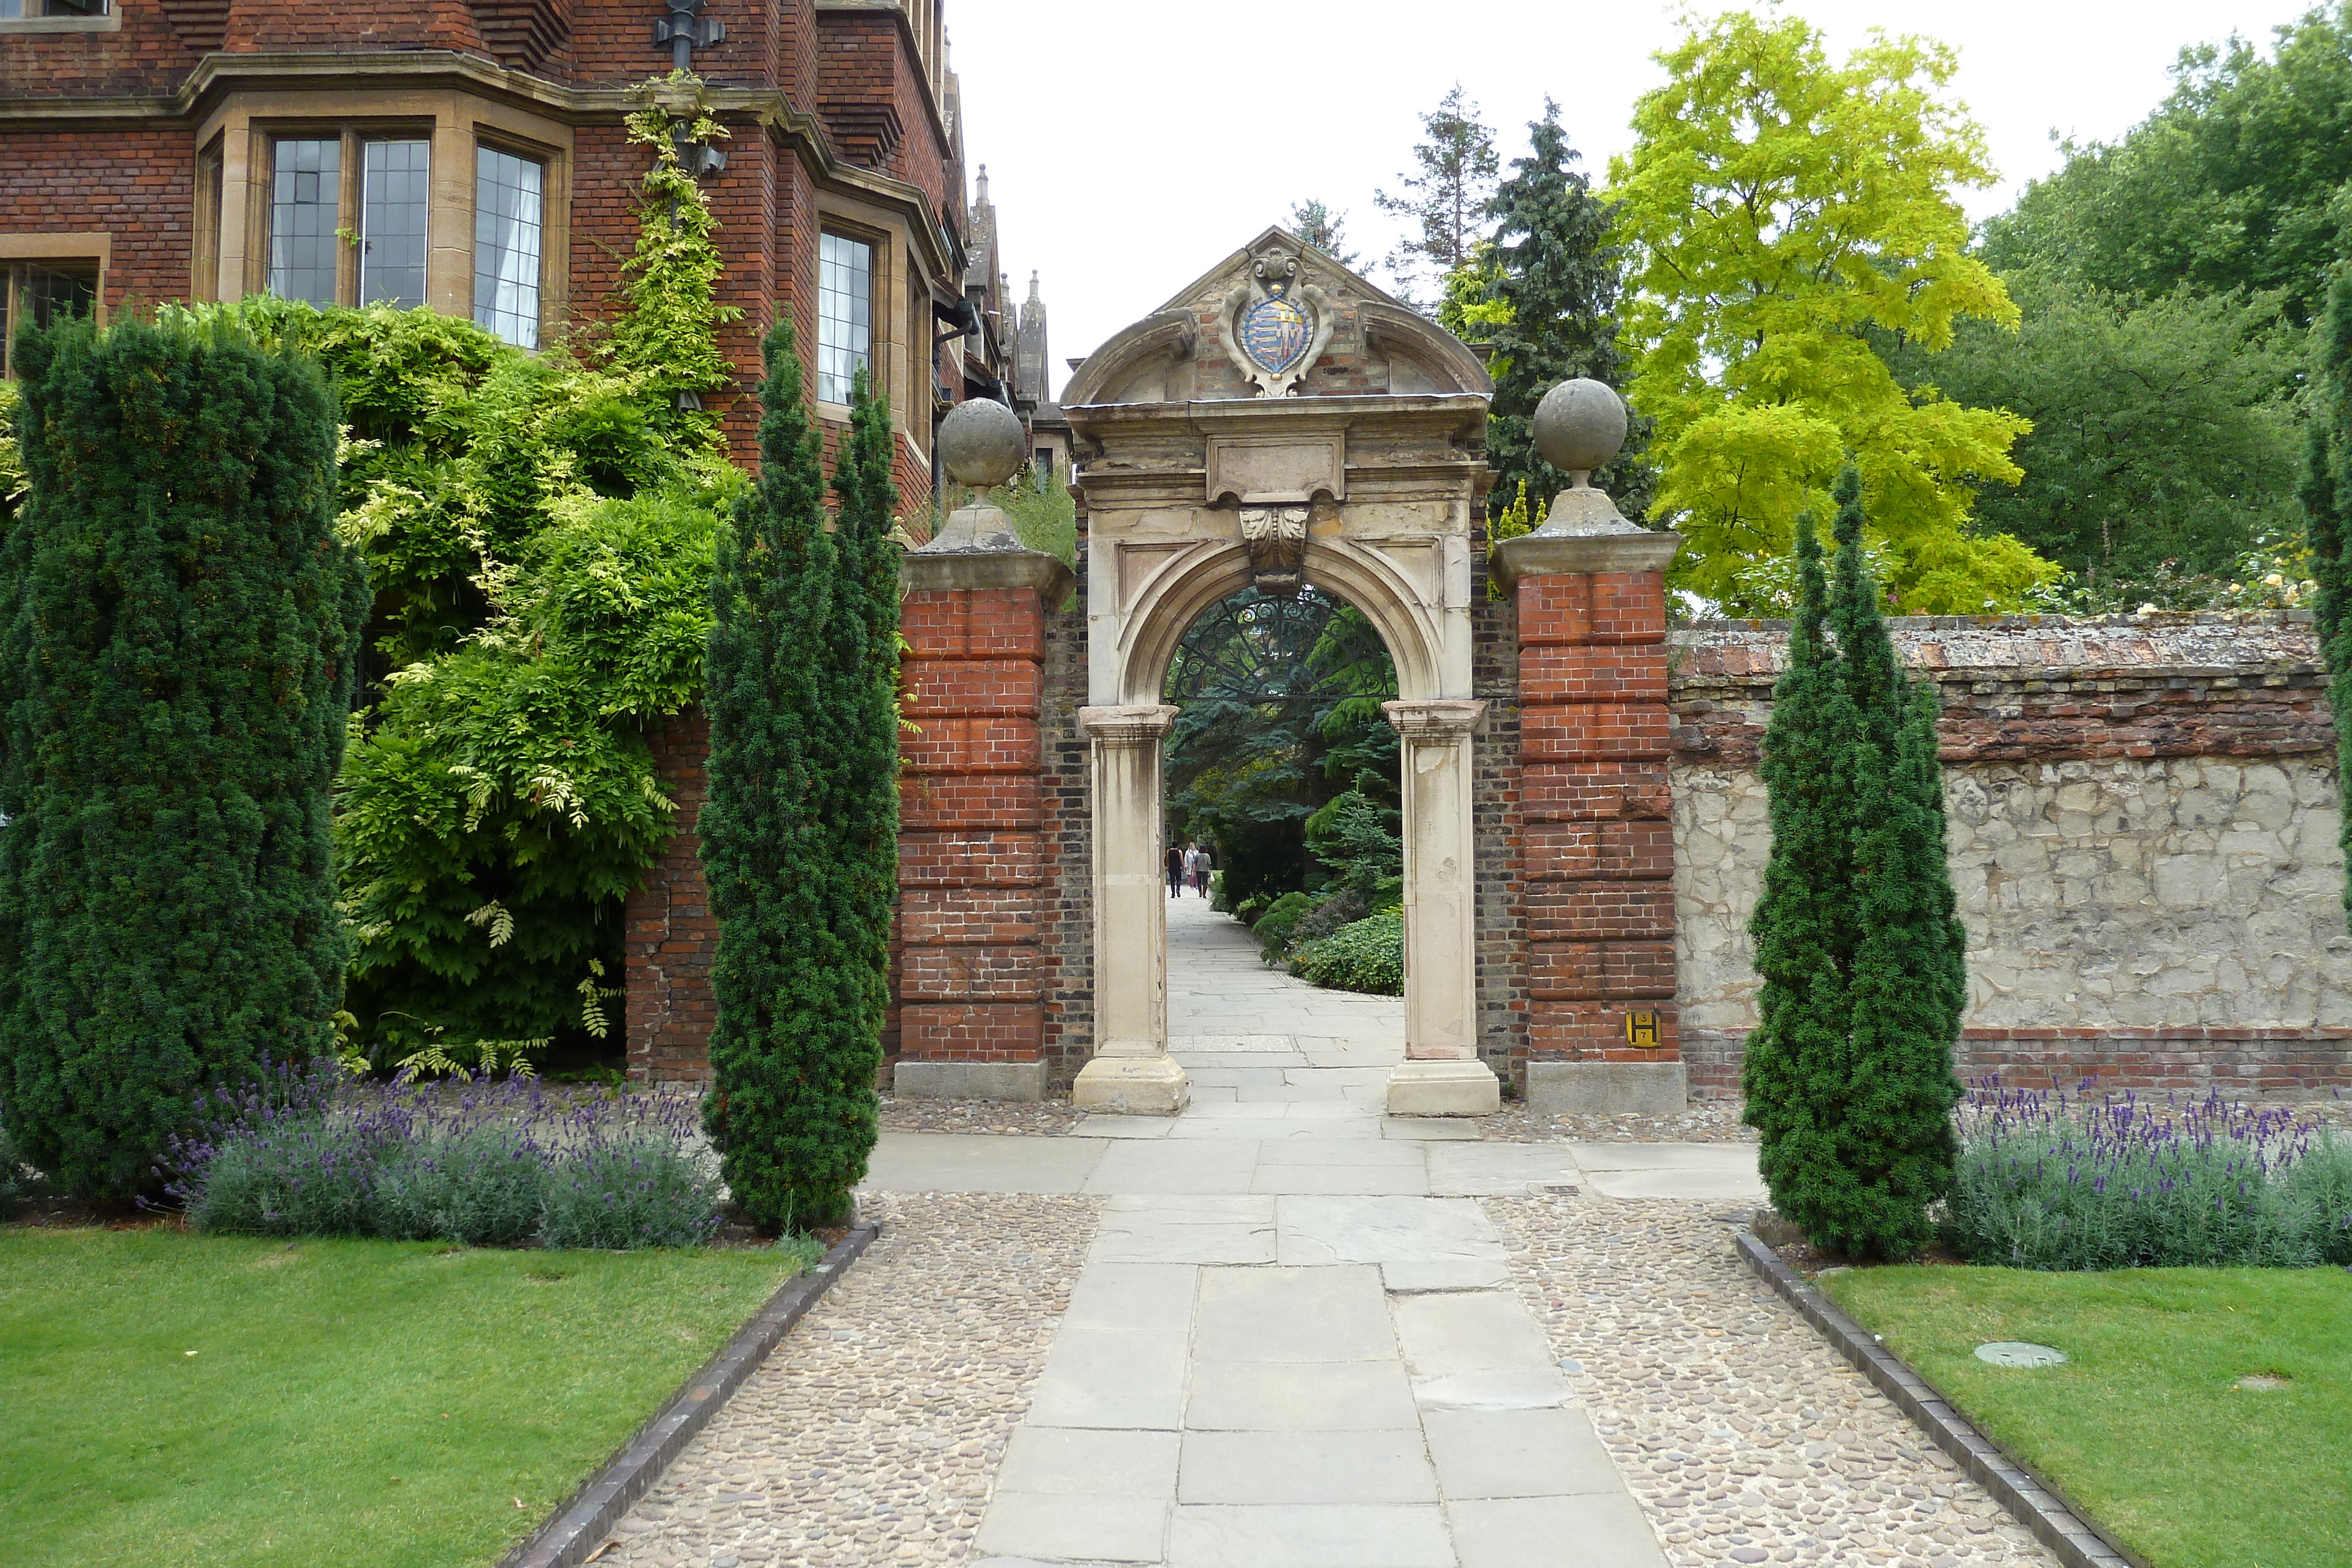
(1849, 1072)
(799, 834)
(1446, 191)
(2326, 496)
(1315, 222)
(1558, 277)
(179, 632)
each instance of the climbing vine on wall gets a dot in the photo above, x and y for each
(668, 340)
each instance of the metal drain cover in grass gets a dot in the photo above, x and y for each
(2014, 1352)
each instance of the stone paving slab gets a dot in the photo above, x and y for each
(950, 1162)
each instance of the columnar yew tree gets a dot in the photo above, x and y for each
(1849, 1072)
(800, 832)
(2327, 493)
(176, 658)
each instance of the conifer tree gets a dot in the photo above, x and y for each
(1849, 1072)
(1557, 278)
(2326, 496)
(179, 632)
(799, 834)
(1446, 191)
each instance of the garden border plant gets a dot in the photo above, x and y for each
(308, 1151)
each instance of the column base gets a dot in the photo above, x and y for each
(1598, 1088)
(1460, 1086)
(969, 1080)
(1132, 1086)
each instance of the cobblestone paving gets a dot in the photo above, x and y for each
(1038, 1119)
(1704, 1122)
(868, 1438)
(1745, 1438)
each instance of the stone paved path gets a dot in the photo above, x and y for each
(1297, 1340)
(1286, 1331)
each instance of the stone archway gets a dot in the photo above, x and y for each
(1364, 480)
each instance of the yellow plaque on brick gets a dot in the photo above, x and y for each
(1642, 1030)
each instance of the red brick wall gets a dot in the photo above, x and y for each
(147, 55)
(137, 186)
(1596, 854)
(668, 929)
(262, 26)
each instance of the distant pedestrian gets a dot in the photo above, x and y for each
(1193, 867)
(1175, 871)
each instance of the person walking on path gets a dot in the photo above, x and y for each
(1175, 871)
(1193, 867)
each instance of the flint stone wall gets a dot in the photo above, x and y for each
(2143, 838)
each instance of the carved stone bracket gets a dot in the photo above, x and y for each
(1276, 539)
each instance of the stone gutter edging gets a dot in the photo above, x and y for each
(2034, 1502)
(581, 1523)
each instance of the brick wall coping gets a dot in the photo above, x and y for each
(1953, 647)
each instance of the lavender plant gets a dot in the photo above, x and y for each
(634, 1174)
(2056, 1182)
(306, 1152)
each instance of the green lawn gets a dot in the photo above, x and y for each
(364, 1404)
(2143, 1427)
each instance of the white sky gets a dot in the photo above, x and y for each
(1131, 143)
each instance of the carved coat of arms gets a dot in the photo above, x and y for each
(1276, 325)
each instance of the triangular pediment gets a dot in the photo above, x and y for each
(1349, 337)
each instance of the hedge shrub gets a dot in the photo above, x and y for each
(179, 636)
(1367, 955)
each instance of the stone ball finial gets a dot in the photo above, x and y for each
(1579, 425)
(981, 443)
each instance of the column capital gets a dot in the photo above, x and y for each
(1442, 722)
(1127, 725)
(1626, 549)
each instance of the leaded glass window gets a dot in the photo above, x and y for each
(306, 181)
(845, 315)
(508, 227)
(395, 192)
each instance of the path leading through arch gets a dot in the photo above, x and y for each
(1285, 1330)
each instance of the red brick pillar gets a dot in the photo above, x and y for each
(973, 876)
(1597, 856)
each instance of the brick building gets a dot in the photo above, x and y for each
(470, 154)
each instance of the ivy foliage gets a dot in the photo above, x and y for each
(179, 630)
(1849, 1071)
(539, 534)
(800, 832)
(667, 341)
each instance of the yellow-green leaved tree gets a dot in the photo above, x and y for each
(1779, 209)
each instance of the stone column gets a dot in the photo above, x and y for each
(1441, 1075)
(1131, 1069)
(1596, 798)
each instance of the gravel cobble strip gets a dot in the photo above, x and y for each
(1702, 1121)
(1745, 1437)
(1010, 1118)
(869, 1438)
